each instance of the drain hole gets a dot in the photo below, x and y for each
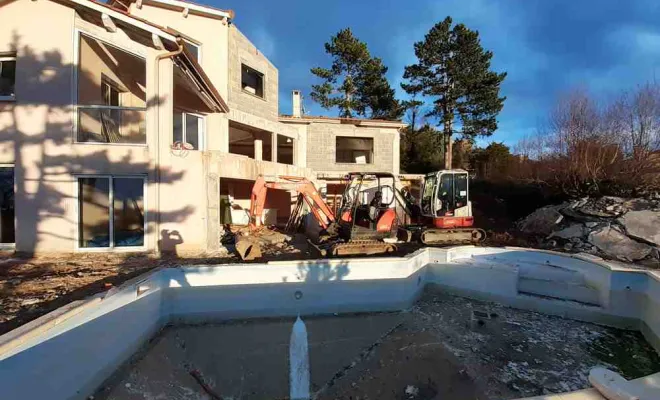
(298, 295)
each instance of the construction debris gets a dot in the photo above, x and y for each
(609, 227)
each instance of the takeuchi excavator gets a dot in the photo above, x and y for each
(364, 224)
(443, 214)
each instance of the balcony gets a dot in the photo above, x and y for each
(111, 124)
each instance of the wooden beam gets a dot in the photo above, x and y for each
(185, 12)
(138, 4)
(157, 42)
(108, 23)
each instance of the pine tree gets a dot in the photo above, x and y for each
(454, 70)
(355, 83)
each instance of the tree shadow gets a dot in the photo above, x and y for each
(322, 271)
(38, 138)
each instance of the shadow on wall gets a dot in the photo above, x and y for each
(168, 241)
(322, 271)
(38, 129)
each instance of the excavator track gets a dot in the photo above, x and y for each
(452, 236)
(366, 247)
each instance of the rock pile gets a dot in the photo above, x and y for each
(610, 227)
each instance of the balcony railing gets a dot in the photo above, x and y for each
(111, 124)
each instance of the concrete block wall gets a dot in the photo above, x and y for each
(322, 147)
(242, 51)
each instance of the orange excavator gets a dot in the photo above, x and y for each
(364, 224)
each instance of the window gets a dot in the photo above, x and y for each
(111, 212)
(193, 49)
(285, 149)
(352, 150)
(252, 81)
(7, 232)
(7, 77)
(111, 94)
(189, 128)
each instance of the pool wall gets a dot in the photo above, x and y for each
(68, 353)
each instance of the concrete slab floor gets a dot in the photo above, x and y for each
(445, 347)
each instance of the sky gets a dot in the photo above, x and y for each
(547, 47)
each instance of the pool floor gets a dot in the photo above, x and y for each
(444, 347)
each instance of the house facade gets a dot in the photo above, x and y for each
(140, 125)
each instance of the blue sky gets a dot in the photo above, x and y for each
(546, 46)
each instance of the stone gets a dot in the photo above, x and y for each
(615, 244)
(542, 221)
(643, 225)
(572, 231)
(591, 224)
(571, 213)
(604, 207)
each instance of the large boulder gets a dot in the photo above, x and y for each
(542, 221)
(644, 225)
(615, 244)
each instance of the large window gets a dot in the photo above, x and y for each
(111, 95)
(111, 212)
(189, 128)
(7, 77)
(352, 150)
(252, 81)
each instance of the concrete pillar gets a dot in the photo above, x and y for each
(273, 141)
(258, 150)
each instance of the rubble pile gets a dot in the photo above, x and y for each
(609, 227)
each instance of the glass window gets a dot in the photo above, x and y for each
(193, 49)
(178, 127)
(111, 94)
(427, 195)
(104, 226)
(188, 128)
(128, 203)
(94, 208)
(7, 232)
(7, 76)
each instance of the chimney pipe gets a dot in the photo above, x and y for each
(297, 104)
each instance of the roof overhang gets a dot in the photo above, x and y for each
(374, 123)
(208, 93)
(161, 38)
(181, 6)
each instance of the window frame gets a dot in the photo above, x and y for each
(14, 59)
(263, 82)
(78, 33)
(111, 214)
(201, 139)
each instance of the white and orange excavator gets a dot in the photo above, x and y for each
(361, 228)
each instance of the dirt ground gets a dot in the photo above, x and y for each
(444, 348)
(31, 286)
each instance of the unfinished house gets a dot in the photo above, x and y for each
(142, 125)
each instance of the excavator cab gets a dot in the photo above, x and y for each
(445, 199)
(366, 211)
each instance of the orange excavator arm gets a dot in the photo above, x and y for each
(319, 208)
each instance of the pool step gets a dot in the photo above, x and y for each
(559, 290)
(556, 282)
